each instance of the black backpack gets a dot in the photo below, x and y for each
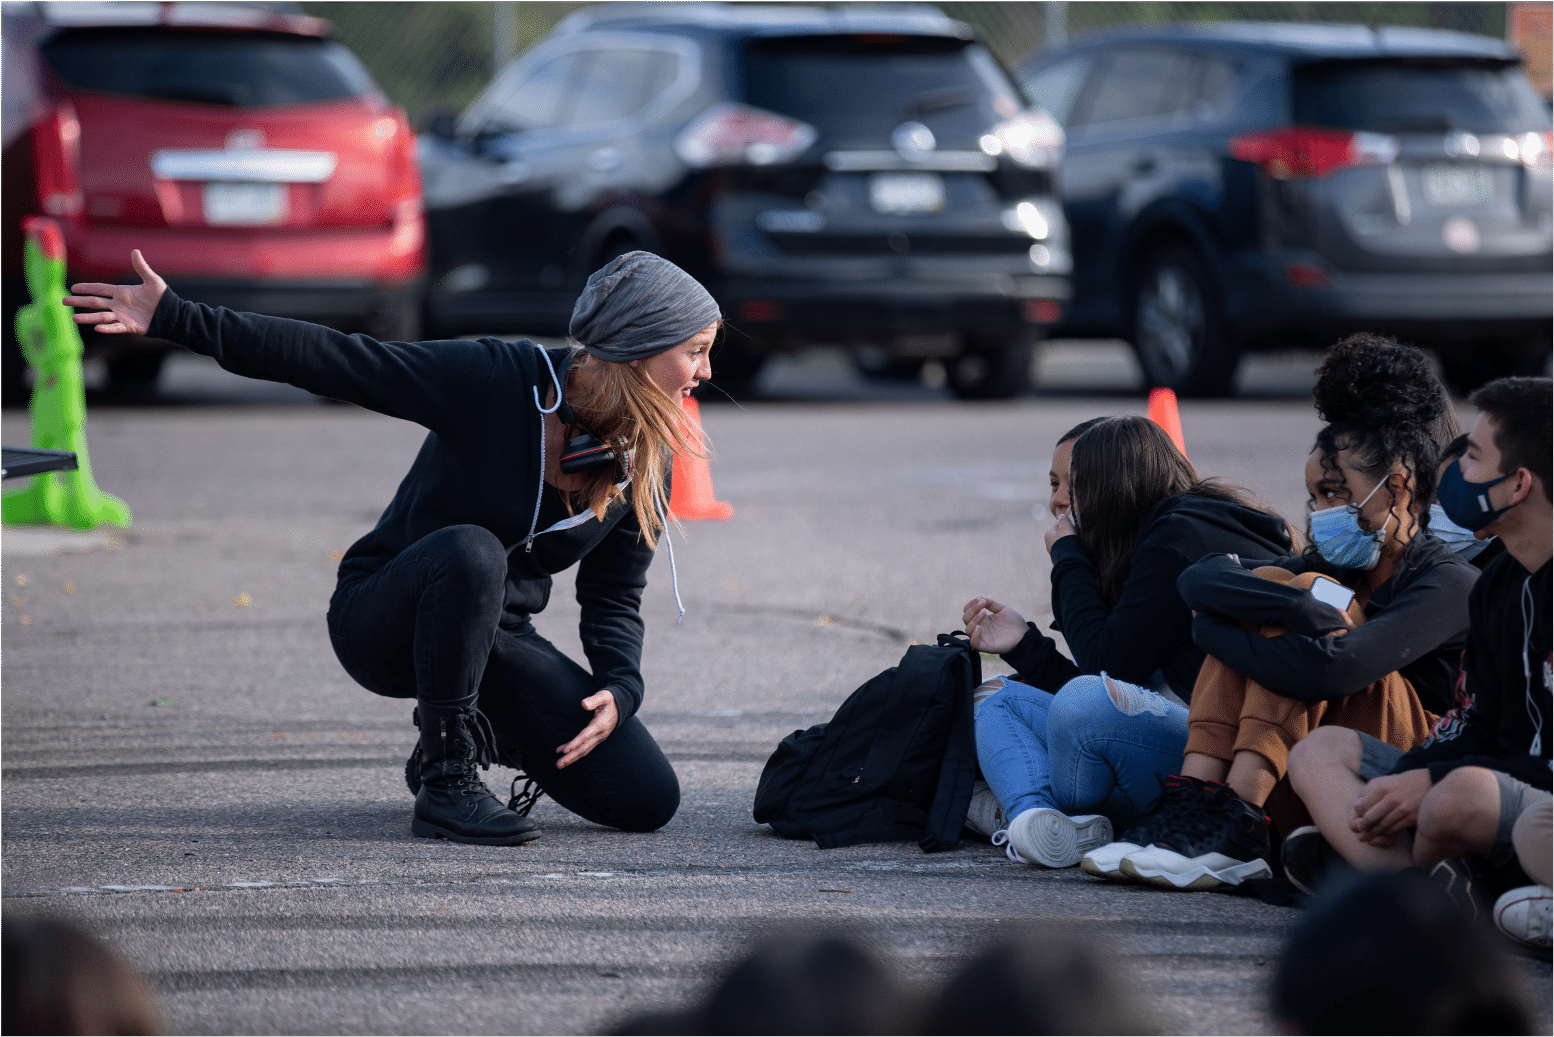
(896, 762)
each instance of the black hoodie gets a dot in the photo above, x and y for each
(479, 465)
(1414, 624)
(1504, 703)
(1149, 628)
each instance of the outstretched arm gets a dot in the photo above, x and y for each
(439, 385)
(120, 309)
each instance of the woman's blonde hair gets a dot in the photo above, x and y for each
(621, 405)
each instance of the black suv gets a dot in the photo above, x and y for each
(860, 176)
(1243, 185)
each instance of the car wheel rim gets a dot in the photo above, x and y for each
(1170, 322)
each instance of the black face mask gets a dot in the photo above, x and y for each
(1467, 503)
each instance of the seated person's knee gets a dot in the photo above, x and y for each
(1326, 748)
(1466, 797)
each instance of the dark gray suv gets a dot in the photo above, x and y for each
(1239, 186)
(861, 176)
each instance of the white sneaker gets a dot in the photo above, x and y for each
(1162, 867)
(1523, 914)
(985, 815)
(1106, 861)
(1042, 835)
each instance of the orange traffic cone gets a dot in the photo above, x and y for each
(690, 492)
(1163, 412)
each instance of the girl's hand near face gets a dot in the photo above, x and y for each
(1060, 529)
(992, 625)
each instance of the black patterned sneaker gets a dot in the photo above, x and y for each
(1456, 879)
(1310, 862)
(1178, 794)
(1224, 842)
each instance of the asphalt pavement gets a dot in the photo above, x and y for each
(188, 771)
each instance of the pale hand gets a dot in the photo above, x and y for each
(122, 309)
(602, 705)
(1387, 805)
(1060, 529)
(992, 626)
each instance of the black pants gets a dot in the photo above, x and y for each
(429, 625)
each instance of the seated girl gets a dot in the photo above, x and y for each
(1281, 661)
(1072, 748)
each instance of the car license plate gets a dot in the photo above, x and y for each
(245, 205)
(1458, 185)
(906, 194)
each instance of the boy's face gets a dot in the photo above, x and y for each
(1481, 461)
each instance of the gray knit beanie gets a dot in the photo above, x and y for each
(637, 305)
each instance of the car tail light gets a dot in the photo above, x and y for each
(1032, 139)
(1293, 152)
(1537, 149)
(57, 161)
(1306, 275)
(737, 134)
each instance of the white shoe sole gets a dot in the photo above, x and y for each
(1105, 862)
(1170, 870)
(1524, 915)
(1056, 840)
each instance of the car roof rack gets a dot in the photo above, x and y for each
(185, 14)
(883, 17)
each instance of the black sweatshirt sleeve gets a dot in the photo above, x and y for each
(429, 383)
(1431, 610)
(1223, 586)
(610, 581)
(1039, 663)
(1138, 635)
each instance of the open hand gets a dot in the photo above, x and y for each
(123, 309)
(992, 625)
(1060, 529)
(1387, 805)
(606, 716)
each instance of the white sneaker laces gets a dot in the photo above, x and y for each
(1001, 838)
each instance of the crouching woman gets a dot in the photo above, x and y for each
(535, 460)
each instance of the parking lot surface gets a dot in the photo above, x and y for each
(189, 772)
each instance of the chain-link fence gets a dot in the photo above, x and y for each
(433, 57)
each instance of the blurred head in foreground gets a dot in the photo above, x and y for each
(792, 985)
(1392, 954)
(59, 979)
(1044, 982)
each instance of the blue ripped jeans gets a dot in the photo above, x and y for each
(1079, 751)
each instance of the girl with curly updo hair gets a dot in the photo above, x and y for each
(1363, 630)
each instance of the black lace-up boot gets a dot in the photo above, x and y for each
(452, 802)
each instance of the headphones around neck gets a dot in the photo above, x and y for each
(584, 452)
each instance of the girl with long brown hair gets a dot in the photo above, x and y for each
(1071, 748)
(535, 460)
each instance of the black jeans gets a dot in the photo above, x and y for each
(429, 626)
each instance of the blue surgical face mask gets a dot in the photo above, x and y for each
(1467, 503)
(1339, 538)
(1462, 541)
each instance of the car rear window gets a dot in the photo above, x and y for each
(1404, 97)
(856, 89)
(238, 70)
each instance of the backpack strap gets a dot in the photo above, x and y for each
(952, 798)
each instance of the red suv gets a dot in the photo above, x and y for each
(251, 158)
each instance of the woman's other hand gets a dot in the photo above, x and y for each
(122, 309)
(1060, 529)
(602, 705)
(992, 625)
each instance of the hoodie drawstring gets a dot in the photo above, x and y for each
(539, 493)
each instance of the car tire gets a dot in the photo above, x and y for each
(15, 391)
(1468, 367)
(1179, 330)
(133, 375)
(736, 364)
(993, 368)
(396, 318)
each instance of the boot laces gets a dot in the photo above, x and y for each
(521, 801)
